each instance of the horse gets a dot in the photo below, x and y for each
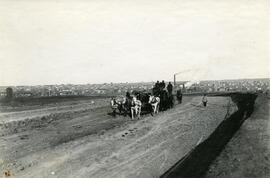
(114, 106)
(166, 100)
(154, 101)
(123, 104)
(143, 96)
(118, 104)
(129, 105)
(136, 106)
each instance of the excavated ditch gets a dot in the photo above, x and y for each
(196, 162)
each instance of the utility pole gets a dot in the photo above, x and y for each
(174, 80)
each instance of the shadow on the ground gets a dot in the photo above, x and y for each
(197, 161)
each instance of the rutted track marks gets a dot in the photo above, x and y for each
(151, 144)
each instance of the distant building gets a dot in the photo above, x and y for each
(25, 94)
(221, 89)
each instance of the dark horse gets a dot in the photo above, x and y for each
(166, 100)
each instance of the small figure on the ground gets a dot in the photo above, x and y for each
(204, 100)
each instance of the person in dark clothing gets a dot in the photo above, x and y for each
(157, 84)
(156, 89)
(163, 100)
(204, 100)
(171, 102)
(128, 95)
(170, 88)
(179, 96)
(162, 85)
(127, 103)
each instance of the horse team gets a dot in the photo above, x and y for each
(141, 102)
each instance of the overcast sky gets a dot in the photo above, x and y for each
(97, 41)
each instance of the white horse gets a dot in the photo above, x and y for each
(114, 105)
(154, 101)
(136, 107)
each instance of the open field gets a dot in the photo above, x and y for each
(31, 103)
(82, 140)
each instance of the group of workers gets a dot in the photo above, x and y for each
(159, 86)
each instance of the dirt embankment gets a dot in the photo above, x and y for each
(21, 103)
(248, 152)
(197, 161)
(25, 117)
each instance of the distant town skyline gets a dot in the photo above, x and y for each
(108, 89)
(98, 41)
(166, 81)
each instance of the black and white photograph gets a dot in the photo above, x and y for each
(134, 88)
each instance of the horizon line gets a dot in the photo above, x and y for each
(136, 82)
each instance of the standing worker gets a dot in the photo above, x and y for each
(162, 85)
(157, 85)
(156, 88)
(179, 96)
(170, 96)
(204, 100)
(170, 88)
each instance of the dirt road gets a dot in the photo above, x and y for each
(91, 143)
